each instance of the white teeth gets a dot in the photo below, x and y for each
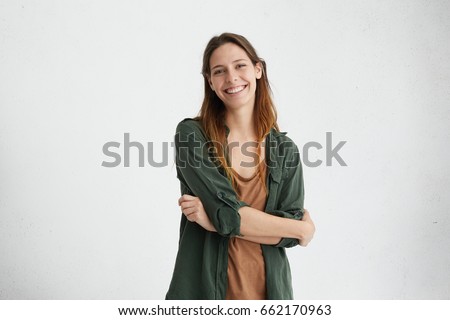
(235, 89)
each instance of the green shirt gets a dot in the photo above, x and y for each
(201, 265)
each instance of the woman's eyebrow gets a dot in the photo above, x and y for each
(219, 65)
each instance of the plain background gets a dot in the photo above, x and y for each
(77, 74)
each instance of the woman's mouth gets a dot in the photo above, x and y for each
(235, 90)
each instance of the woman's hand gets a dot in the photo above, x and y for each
(193, 209)
(308, 229)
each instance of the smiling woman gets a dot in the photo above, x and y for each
(237, 219)
(233, 75)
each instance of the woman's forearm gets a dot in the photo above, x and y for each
(206, 224)
(256, 223)
(262, 240)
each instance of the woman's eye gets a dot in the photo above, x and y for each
(218, 71)
(241, 65)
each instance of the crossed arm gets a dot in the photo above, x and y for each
(222, 211)
(256, 226)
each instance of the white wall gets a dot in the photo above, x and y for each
(77, 74)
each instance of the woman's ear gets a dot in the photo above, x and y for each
(258, 70)
(210, 83)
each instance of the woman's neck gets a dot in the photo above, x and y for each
(240, 123)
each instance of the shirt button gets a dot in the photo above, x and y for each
(220, 194)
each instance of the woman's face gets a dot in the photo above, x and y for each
(233, 76)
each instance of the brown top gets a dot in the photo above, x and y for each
(246, 272)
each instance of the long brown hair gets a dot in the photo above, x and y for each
(212, 112)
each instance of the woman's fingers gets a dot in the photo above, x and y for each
(189, 207)
(190, 213)
(191, 217)
(306, 214)
(187, 204)
(186, 197)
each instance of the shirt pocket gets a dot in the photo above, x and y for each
(274, 180)
(275, 175)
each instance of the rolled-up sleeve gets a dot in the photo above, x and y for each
(199, 173)
(291, 190)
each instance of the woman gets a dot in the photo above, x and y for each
(241, 184)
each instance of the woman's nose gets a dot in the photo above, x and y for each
(232, 75)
